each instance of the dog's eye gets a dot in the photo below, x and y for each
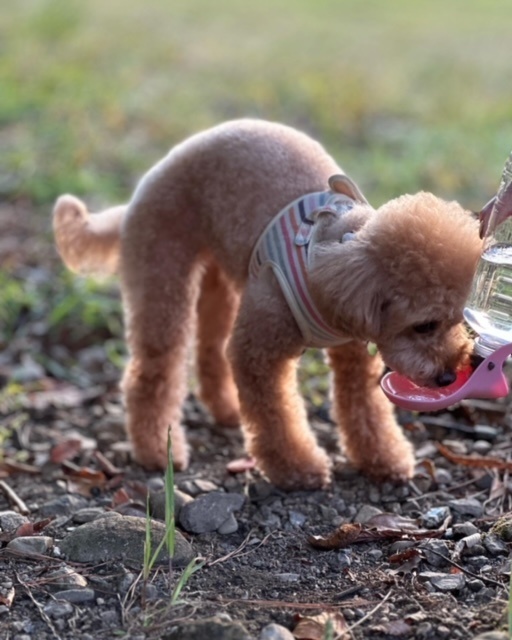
(426, 327)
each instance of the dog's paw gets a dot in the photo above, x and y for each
(156, 459)
(292, 475)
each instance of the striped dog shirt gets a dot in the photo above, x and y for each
(284, 245)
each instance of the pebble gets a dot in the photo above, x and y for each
(120, 537)
(76, 596)
(431, 549)
(158, 500)
(492, 635)
(276, 632)
(209, 511)
(495, 545)
(435, 517)
(229, 526)
(88, 514)
(30, 545)
(481, 447)
(464, 529)
(297, 519)
(64, 577)
(11, 520)
(467, 507)
(56, 609)
(375, 554)
(288, 577)
(444, 581)
(196, 487)
(62, 506)
(443, 477)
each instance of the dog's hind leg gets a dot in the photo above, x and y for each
(265, 349)
(217, 309)
(160, 288)
(371, 437)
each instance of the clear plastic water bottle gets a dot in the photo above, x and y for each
(489, 306)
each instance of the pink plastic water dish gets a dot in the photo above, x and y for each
(486, 381)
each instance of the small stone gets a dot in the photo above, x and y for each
(435, 517)
(158, 500)
(64, 577)
(56, 609)
(475, 585)
(120, 538)
(11, 520)
(445, 581)
(443, 477)
(76, 596)
(433, 550)
(464, 529)
(288, 577)
(196, 487)
(481, 447)
(365, 513)
(495, 545)
(375, 554)
(30, 545)
(229, 526)
(344, 559)
(492, 635)
(297, 519)
(209, 511)
(467, 507)
(62, 506)
(88, 514)
(276, 632)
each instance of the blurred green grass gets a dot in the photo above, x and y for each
(406, 95)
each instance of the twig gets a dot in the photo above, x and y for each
(238, 551)
(14, 498)
(368, 615)
(39, 607)
(466, 571)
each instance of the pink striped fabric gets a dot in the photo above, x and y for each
(283, 246)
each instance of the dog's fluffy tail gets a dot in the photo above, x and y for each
(88, 243)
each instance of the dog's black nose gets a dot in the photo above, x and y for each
(446, 378)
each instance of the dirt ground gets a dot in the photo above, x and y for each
(442, 573)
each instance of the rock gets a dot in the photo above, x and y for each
(30, 545)
(62, 506)
(435, 517)
(288, 577)
(209, 511)
(444, 581)
(467, 507)
(365, 513)
(56, 609)
(208, 629)
(157, 503)
(297, 519)
(492, 635)
(120, 537)
(11, 520)
(88, 514)
(76, 596)
(431, 549)
(275, 632)
(64, 578)
(228, 526)
(464, 529)
(481, 447)
(495, 545)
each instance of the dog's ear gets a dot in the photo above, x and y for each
(341, 183)
(348, 288)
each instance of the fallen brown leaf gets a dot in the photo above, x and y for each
(66, 450)
(314, 627)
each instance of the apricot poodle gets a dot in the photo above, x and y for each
(250, 237)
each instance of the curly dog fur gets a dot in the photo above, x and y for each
(182, 247)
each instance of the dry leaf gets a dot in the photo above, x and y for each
(7, 597)
(314, 627)
(394, 629)
(66, 450)
(240, 465)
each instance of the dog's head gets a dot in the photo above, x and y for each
(401, 281)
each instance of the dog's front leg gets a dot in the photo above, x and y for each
(265, 349)
(371, 437)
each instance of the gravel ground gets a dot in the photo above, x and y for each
(426, 560)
